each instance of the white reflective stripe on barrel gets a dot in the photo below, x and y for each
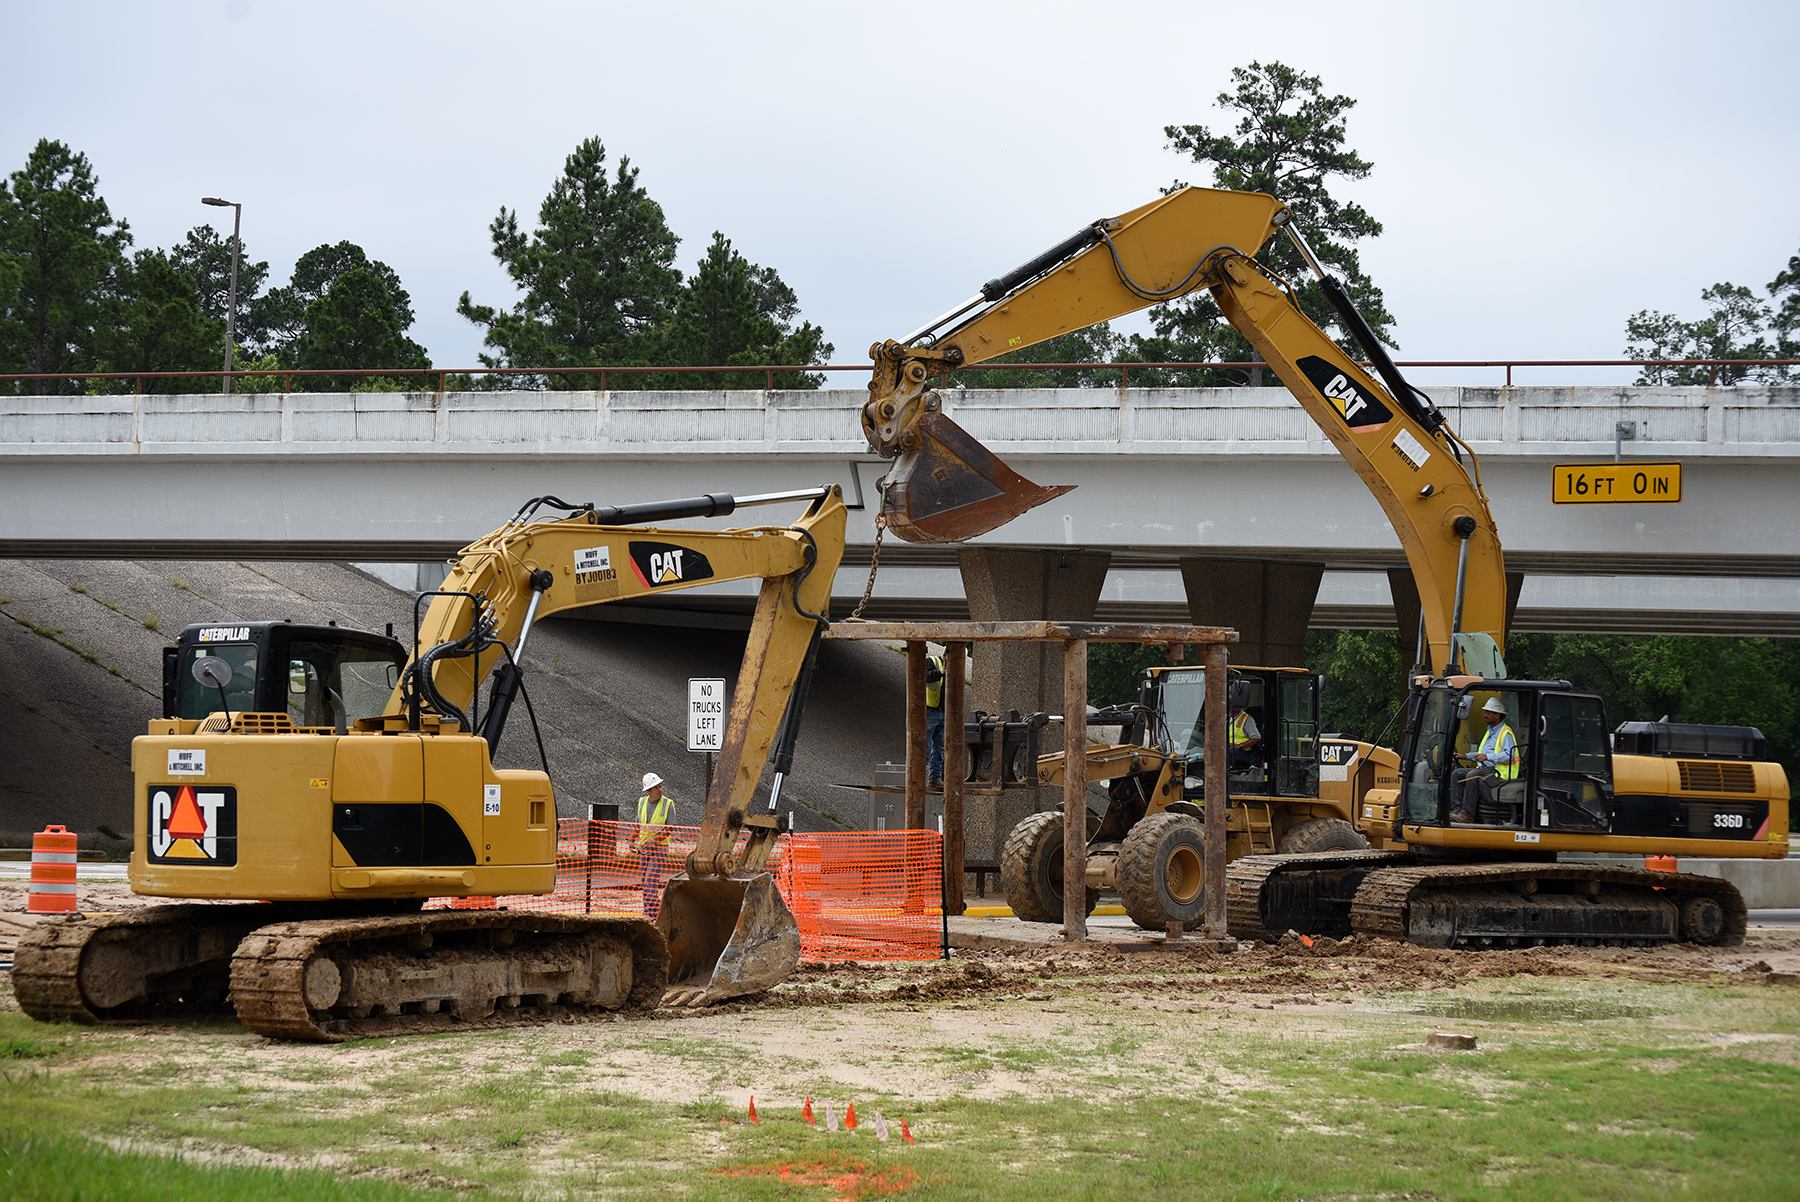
(46, 887)
(53, 857)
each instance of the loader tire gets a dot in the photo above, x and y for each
(1321, 834)
(1161, 871)
(1031, 869)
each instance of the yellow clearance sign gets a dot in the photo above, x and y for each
(1616, 484)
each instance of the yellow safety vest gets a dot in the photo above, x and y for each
(934, 693)
(1240, 729)
(1499, 740)
(654, 818)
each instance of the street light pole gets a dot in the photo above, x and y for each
(237, 222)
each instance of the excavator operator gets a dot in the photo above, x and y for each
(1495, 758)
(1244, 737)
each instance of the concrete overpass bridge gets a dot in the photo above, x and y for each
(1220, 505)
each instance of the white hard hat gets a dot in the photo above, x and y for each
(651, 780)
(1493, 706)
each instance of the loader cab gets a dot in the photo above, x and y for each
(283, 668)
(1564, 778)
(1283, 705)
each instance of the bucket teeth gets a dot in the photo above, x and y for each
(951, 488)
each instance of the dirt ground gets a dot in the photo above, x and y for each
(1256, 977)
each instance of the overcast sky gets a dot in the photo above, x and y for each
(1542, 170)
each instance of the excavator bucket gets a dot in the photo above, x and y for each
(728, 936)
(951, 488)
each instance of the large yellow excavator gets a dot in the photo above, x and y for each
(1434, 875)
(340, 782)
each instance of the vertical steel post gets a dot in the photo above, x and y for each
(1075, 789)
(955, 769)
(237, 221)
(915, 735)
(1217, 748)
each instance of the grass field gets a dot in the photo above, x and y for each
(1102, 1081)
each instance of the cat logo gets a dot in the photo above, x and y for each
(1361, 410)
(1336, 753)
(659, 564)
(192, 825)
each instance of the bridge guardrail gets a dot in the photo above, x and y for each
(443, 375)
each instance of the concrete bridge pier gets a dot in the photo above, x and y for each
(1012, 585)
(1267, 601)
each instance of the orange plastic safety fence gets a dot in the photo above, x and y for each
(856, 896)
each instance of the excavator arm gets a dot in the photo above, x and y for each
(502, 584)
(729, 932)
(945, 486)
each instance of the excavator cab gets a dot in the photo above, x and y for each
(1282, 705)
(298, 669)
(1563, 778)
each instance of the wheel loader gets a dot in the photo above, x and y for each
(312, 786)
(1291, 792)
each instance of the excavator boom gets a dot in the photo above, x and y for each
(729, 931)
(945, 486)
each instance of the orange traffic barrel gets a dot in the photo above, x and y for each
(52, 872)
(1660, 864)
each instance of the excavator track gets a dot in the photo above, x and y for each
(1267, 896)
(162, 961)
(328, 980)
(1390, 894)
(1509, 905)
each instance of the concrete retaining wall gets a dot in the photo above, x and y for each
(1765, 884)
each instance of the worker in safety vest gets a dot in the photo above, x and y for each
(1495, 759)
(653, 810)
(1243, 737)
(934, 721)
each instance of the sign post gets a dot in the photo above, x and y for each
(706, 720)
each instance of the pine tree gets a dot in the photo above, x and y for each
(63, 252)
(732, 311)
(1290, 142)
(598, 274)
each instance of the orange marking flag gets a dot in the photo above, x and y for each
(806, 1112)
(850, 1118)
(753, 1117)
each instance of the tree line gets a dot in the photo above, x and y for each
(599, 284)
(598, 274)
(1738, 324)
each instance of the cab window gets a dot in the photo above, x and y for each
(197, 700)
(1297, 769)
(1575, 781)
(1183, 693)
(362, 675)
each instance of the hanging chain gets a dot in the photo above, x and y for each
(874, 561)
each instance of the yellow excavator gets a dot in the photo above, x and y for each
(339, 782)
(1435, 875)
